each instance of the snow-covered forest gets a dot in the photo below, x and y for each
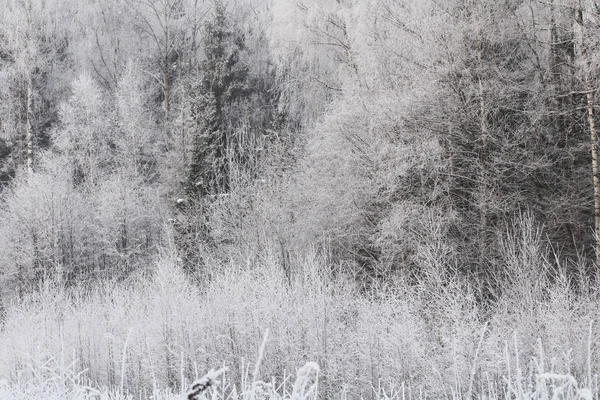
(334, 199)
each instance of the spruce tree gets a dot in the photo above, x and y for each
(222, 82)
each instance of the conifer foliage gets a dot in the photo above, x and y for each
(222, 82)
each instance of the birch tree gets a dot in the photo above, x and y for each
(586, 25)
(161, 22)
(24, 54)
(34, 54)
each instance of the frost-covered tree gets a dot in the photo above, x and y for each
(312, 47)
(86, 130)
(162, 24)
(34, 67)
(222, 82)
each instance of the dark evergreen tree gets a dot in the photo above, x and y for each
(223, 82)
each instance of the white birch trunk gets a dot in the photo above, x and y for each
(582, 62)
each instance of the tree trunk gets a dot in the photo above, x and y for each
(590, 94)
(594, 142)
(29, 95)
(29, 125)
(165, 86)
(482, 168)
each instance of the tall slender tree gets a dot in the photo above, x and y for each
(34, 54)
(223, 81)
(162, 23)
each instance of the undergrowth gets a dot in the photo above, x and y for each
(155, 337)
